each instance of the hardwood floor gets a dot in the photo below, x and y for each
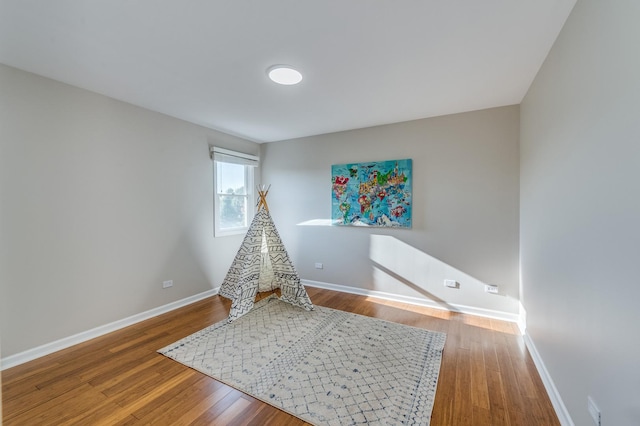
(487, 376)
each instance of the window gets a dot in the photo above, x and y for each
(233, 185)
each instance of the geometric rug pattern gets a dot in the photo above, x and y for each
(325, 366)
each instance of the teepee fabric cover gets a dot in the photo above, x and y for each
(262, 264)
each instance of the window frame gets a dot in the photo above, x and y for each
(250, 163)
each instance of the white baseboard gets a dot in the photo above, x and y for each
(552, 391)
(481, 312)
(48, 348)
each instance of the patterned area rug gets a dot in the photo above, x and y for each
(324, 366)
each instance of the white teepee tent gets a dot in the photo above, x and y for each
(262, 264)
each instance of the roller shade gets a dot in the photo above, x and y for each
(228, 156)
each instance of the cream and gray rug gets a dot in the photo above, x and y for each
(324, 366)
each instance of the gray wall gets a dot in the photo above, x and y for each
(101, 202)
(465, 213)
(580, 205)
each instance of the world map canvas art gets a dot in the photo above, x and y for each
(372, 194)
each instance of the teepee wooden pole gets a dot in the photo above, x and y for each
(262, 193)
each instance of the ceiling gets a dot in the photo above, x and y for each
(364, 62)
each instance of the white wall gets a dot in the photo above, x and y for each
(580, 205)
(101, 202)
(465, 212)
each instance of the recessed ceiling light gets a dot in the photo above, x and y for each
(284, 74)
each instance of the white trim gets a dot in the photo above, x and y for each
(552, 391)
(49, 348)
(481, 312)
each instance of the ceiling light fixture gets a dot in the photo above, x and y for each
(284, 74)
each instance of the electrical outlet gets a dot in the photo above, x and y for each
(167, 284)
(319, 265)
(489, 288)
(594, 411)
(451, 284)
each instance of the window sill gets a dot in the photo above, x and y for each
(230, 232)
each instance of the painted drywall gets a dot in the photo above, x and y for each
(465, 211)
(580, 174)
(101, 202)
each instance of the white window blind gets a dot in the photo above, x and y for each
(228, 156)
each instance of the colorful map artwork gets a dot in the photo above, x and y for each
(372, 194)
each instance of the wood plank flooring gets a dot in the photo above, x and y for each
(487, 376)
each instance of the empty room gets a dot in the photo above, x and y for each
(322, 213)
